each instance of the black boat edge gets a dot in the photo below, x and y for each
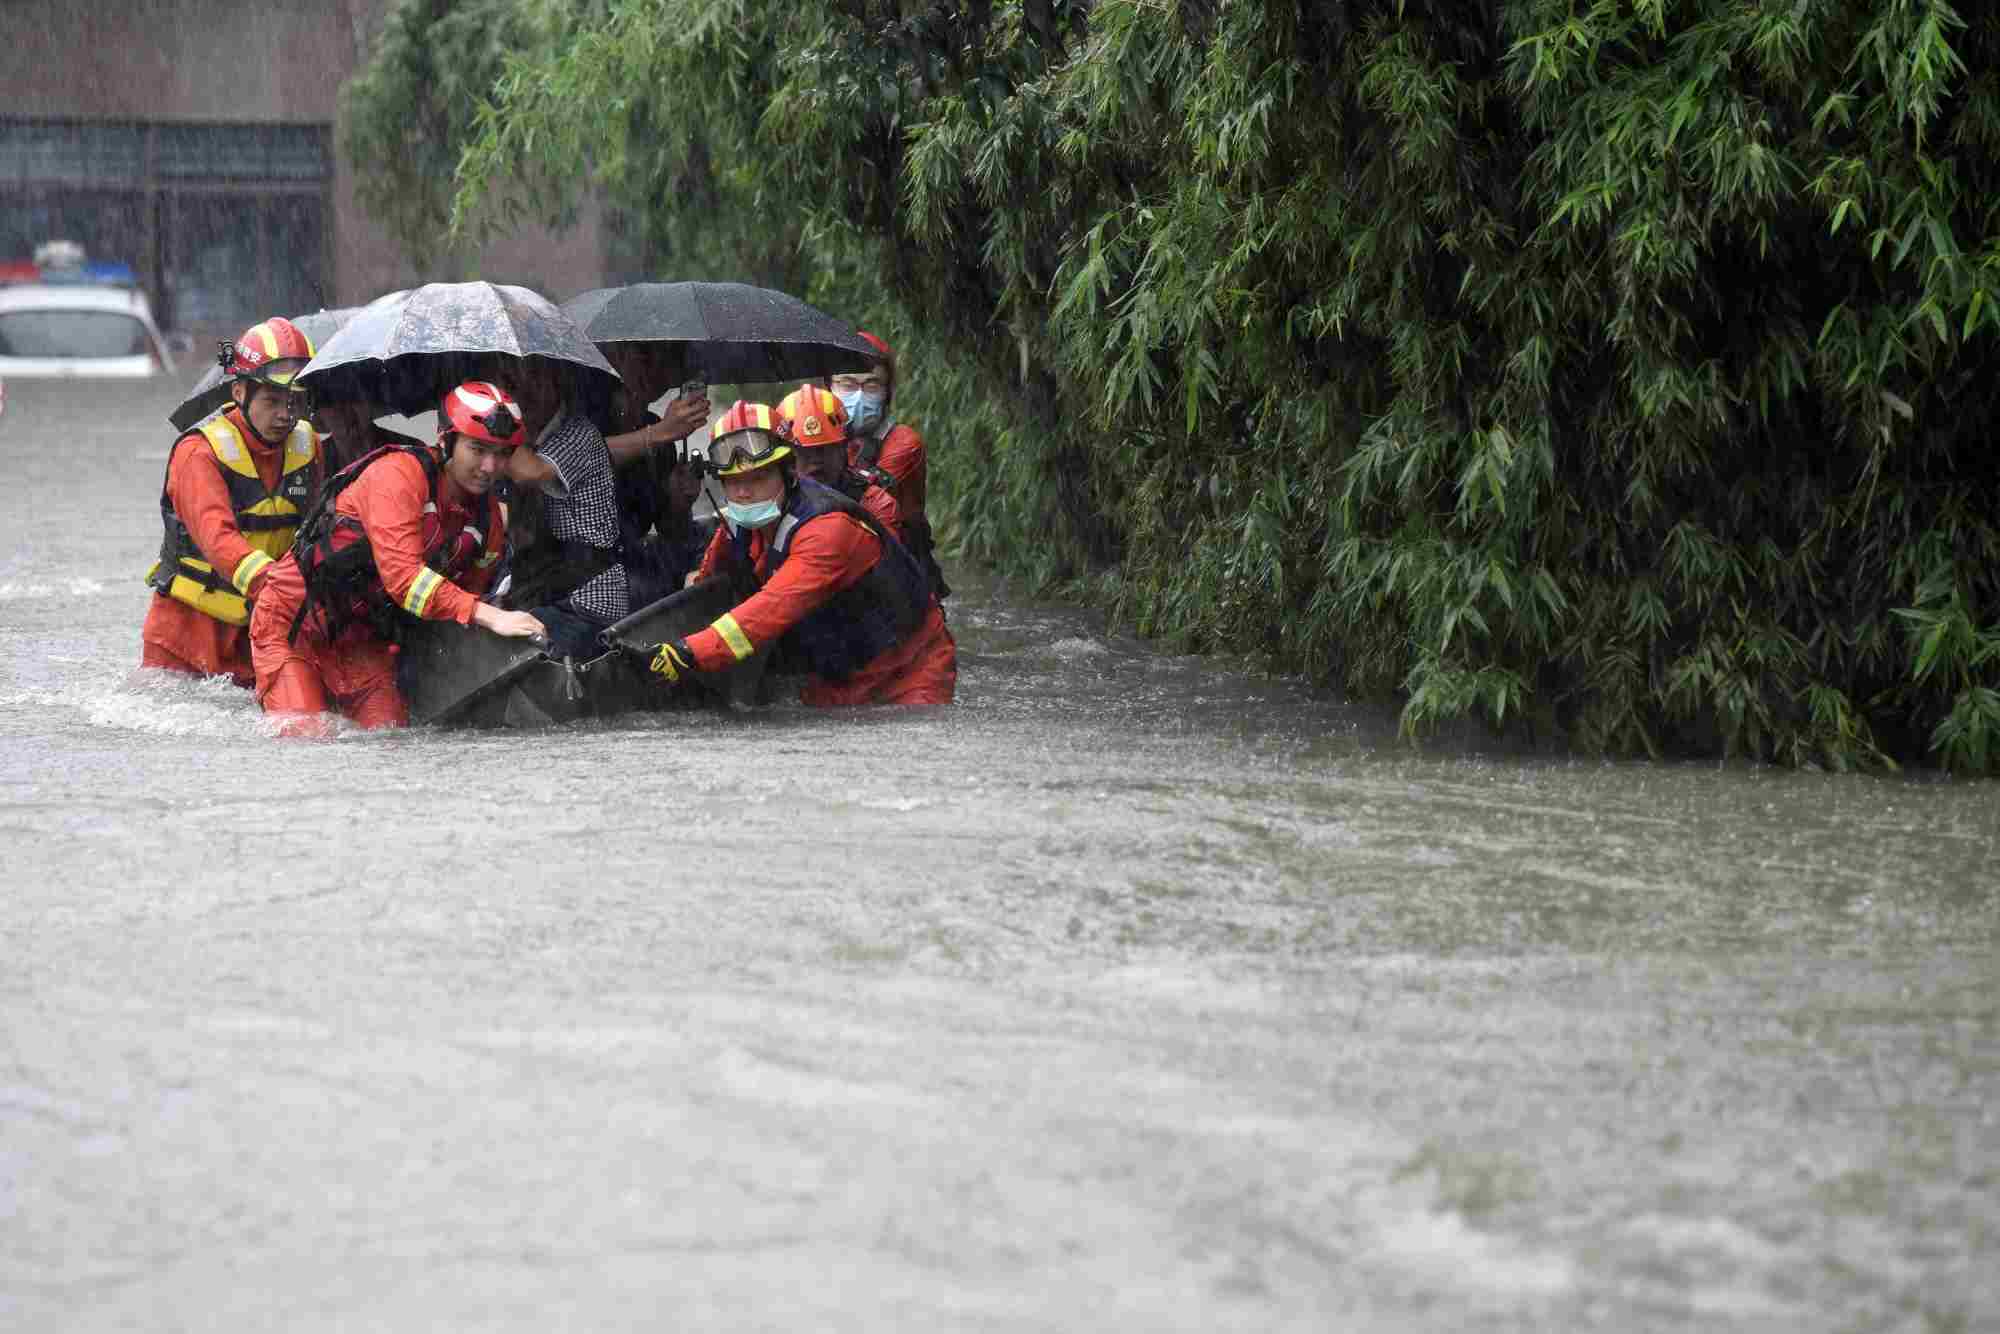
(457, 675)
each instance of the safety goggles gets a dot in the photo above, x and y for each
(299, 400)
(278, 374)
(741, 450)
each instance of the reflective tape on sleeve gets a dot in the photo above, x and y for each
(732, 635)
(419, 595)
(246, 570)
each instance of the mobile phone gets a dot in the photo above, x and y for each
(694, 389)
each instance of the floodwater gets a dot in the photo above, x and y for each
(1134, 992)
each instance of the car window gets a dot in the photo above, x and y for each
(71, 333)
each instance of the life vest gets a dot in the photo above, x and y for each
(268, 519)
(338, 565)
(869, 617)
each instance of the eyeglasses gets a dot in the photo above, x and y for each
(871, 380)
(742, 449)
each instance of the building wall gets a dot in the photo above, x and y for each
(283, 62)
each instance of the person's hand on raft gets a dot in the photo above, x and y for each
(512, 624)
(673, 661)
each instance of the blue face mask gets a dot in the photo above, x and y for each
(864, 409)
(752, 516)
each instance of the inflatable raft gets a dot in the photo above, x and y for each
(464, 676)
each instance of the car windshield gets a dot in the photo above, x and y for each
(71, 333)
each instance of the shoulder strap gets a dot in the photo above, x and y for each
(824, 500)
(869, 456)
(319, 518)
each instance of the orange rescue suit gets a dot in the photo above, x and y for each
(900, 453)
(828, 554)
(880, 503)
(355, 671)
(190, 634)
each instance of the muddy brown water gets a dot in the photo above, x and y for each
(1134, 992)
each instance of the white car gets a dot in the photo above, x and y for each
(65, 329)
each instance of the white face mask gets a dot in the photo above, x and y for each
(864, 408)
(758, 514)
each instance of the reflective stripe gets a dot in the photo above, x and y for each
(421, 589)
(227, 444)
(732, 635)
(246, 570)
(301, 446)
(782, 539)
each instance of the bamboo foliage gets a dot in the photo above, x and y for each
(1616, 370)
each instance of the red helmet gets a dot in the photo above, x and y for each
(810, 416)
(271, 352)
(745, 437)
(485, 412)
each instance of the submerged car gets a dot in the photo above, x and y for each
(79, 329)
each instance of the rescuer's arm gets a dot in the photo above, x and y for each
(827, 555)
(878, 502)
(903, 457)
(201, 498)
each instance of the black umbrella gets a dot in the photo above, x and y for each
(212, 390)
(403, 352)
(732, 332)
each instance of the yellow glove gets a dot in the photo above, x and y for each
(673, 661)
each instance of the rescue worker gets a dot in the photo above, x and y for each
(835, 590)
(236, 486)
(568, 563)
(878, 443)
(815, 422)
(657, 483)
(400, 533)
